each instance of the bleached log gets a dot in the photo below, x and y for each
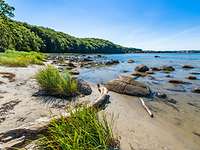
(146, 108)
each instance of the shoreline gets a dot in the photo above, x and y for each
(169, 129)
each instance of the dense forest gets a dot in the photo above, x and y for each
(25, 37)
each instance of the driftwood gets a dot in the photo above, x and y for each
(18, 136)
(146, 108)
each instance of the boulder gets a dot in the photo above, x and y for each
(99, 56)
(87, 59)
(188, 67)
(139, 74)
(131, 61)
(72, 65)
(161, 95)
(169, 76)
(196, 90)
(157, 56)
(195, 73)
(155, 69)
(178, 82)
(167, 68)
(112, 62)
(74, 72)
(127, 85)
(84, 88)
(141, 68)
(192, 78)
(149, 72)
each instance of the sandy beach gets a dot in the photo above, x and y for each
(170, 129)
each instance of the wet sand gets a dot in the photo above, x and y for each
(168, 130)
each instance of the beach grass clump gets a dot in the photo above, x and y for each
(56, 83)
(13, 58)
(83, 130)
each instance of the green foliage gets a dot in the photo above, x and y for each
(83, 130)
(6, 10)
(56, 83)
(16, 36)
(24, 37)
(20, 59)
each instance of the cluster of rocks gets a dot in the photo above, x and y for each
(79, 61)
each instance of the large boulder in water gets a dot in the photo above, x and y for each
(167, 68)
(187, 67)
(127, 85)
(141, 68)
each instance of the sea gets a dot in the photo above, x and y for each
(159, 79)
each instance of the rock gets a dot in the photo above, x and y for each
(74, 72)
(157, 56)
(192, 78)
(167, 68)
(169, 76)
(8, 75)
(99, 56)
(150, 72)
(87, 59)
(173, 101)
(195, 73)
(139, 74)
(1, 82)
(178, 82)
(141, 68)
(84, 88)
(196, 90)
(112, 62)
(125, 71)
(161, 95)
(126, 85)
(131, 61)
(188, 67)
(72, 65)
(155, 69)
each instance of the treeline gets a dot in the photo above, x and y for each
(24, 37)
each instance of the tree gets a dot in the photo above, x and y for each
(6, 10)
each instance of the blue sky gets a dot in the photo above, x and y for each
(147, 24)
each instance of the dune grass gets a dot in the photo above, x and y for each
(21, 59)
(56, 83)
(83, 130)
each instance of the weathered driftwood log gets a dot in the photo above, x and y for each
(146, 108)
(18, 136)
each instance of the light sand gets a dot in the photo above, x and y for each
(169, 130)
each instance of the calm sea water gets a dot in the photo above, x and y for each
(104, 74)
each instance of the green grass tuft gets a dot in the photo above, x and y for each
(83, 130)
(56, 83)
(21, 59)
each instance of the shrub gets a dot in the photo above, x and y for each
(20, 59)
(56, 83)
(83, 130)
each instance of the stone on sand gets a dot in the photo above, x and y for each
(196, 90)
(128, 86)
